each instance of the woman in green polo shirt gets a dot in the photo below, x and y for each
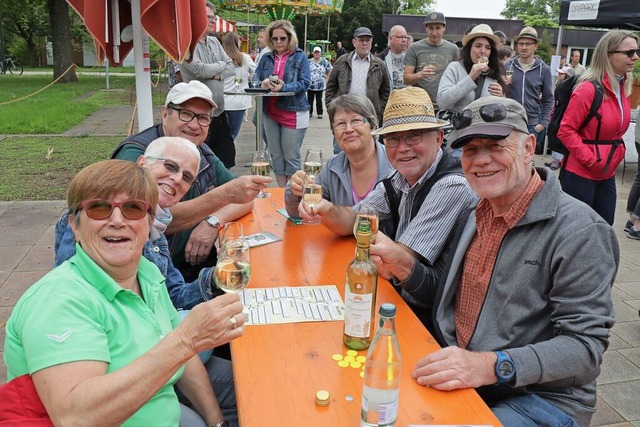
(99, 335)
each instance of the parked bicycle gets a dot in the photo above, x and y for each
(8, 64)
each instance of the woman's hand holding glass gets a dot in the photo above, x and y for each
(311, 196)
(233, 269)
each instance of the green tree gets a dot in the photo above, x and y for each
(536, 13)
(26, 20)
(61, 41)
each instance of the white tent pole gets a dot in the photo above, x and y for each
(143, 72)
(115, 29)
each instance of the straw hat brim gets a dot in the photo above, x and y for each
(466, 39)
(526, 36)
(401, 127)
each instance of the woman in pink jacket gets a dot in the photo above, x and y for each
(588, 172)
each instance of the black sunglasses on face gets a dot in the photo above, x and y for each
(489, 113)
(102, 209)
(279, 39)
(172, 167)
(629, 52)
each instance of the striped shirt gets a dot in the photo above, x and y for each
(427, 233)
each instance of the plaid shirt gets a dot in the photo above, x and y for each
(481, 258)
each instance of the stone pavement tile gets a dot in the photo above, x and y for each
(39, 258)
(605, 415)
(617, 368)
(632, 287)
(625, 312)
(16, 284)
(630, 258)
(628, 331)
(617, 343)
(633, 354)
(623, 398)
(11, 257)
(635, 303)
(628, 274)
(618, 295)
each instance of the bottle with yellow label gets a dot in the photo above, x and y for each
(360, 293)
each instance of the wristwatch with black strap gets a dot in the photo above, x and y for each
(505, 367)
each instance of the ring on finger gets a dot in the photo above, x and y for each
(234, 322)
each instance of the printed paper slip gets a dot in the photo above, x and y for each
(268, 306)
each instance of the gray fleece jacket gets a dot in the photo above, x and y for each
(548, 303)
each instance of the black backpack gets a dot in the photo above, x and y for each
(561, 101)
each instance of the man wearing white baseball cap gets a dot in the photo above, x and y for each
(523, 310)
(215, 198)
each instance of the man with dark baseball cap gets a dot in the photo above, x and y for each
(527, 292)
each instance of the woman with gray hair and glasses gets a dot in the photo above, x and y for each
(349, 176)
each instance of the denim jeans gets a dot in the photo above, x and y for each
(530, 410)
(600, 195)
(235, 122)
(284, 146)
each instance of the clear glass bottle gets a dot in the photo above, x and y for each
(360, 293)
(381, 388)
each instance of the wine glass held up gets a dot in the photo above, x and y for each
(368, 213)
(311, 194)
(233, 269)
(261, 165)
(230, 231)
(313, 161)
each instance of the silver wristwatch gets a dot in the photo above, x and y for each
(213, 221)
(222, 423)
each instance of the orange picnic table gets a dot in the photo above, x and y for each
(279, 367)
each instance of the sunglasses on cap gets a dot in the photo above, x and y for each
(629, 52)
(102, 209)
(489, 113)
(172, 167)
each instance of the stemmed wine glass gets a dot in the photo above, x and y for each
(230, 231)
(368, 213)
(313, 161)
(261, 165)
(311, 194)
(254, 81)
(233, 269)
(484, 60)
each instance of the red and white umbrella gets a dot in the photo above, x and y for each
(224, 26)
(118, 25)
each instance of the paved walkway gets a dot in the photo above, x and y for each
(26, 254)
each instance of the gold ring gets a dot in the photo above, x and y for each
(234, 323)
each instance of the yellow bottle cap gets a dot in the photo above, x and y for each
(322, 398)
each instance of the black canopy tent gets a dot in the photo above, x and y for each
(623, 14)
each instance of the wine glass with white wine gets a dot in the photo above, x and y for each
(311, 194)
(368, 213)
(484, 60)
(313, 161)
(261, 165)
(233, 269)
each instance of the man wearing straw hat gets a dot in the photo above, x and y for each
(418, 204)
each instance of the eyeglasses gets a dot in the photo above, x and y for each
(355, 123)
(212, 18)
(410, 139)
(279, 39)
(489, 113)
(172, 167)
(525, 44)
(186, 116)
(629, 52)
(102, 209)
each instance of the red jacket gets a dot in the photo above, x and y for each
(613, 126)
(20, 405)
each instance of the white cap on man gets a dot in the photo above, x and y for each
(182, 92)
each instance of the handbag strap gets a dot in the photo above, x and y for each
(480, 85)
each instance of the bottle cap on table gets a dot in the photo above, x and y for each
(322, 398)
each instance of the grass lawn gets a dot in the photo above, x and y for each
(29, 172)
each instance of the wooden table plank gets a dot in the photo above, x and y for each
(279, 368)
